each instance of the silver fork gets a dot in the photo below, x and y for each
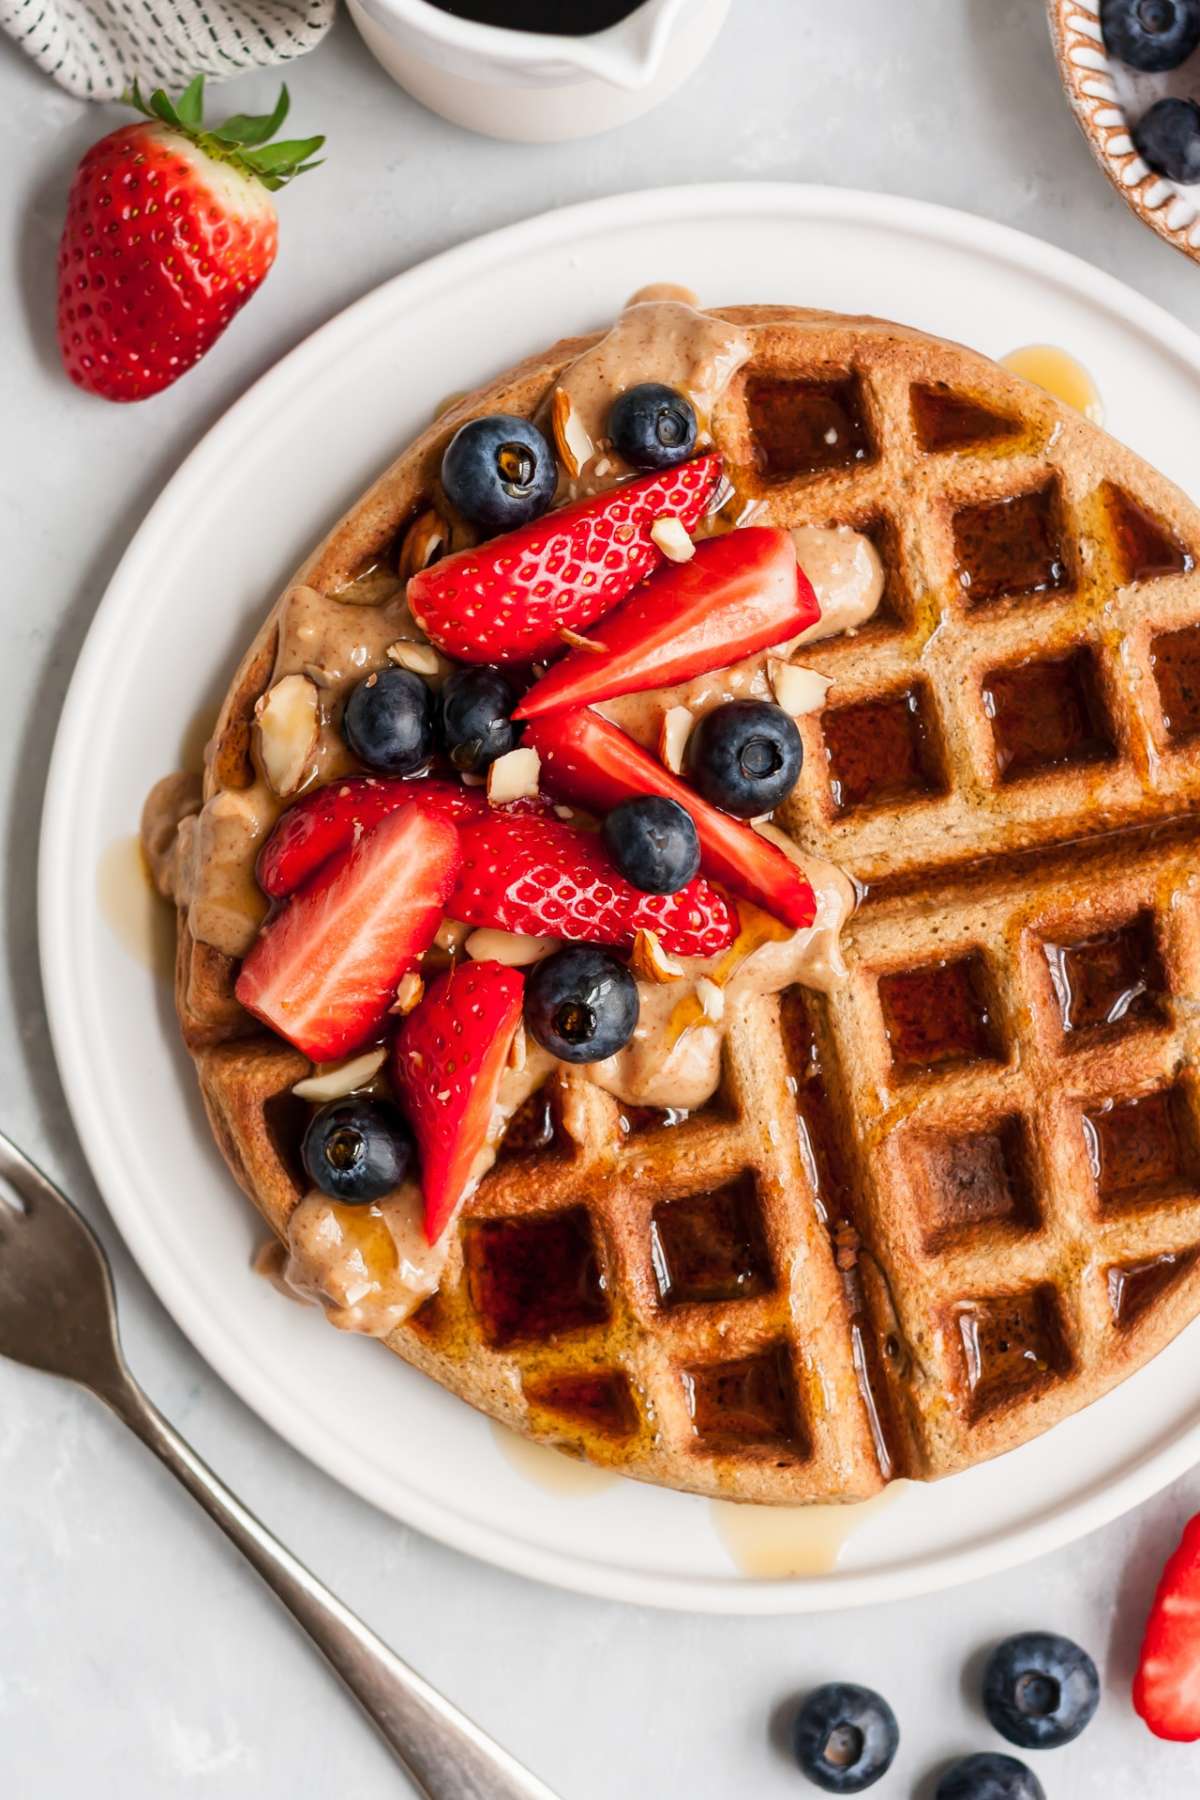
(58, 1313)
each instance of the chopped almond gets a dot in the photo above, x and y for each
(289, 722)
(451, 935)
(511, 947)
(797, 690)
(408, 994)
(422, 659)
(571, 440)
(673, 734)
(514, 776)
(711, 998)
(427, 538)
(672, 539)
(340, 1079)
(650, 961)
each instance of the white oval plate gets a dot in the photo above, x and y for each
(252, 498)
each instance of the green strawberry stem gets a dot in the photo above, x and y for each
(241, 141)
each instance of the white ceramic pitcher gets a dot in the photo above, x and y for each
(533, 86)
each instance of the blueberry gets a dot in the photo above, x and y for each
(475, 721)
(499, 471)
(653, 843)
(1040, 1690)
(1168, 138)
(1151, 34)
(845, 1737)
(745, 756)
(581, 1004)
(652, 426)
(388, 722)
(989, 1777)
(357, 1149)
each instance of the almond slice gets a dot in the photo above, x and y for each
(514, 776)
(571, 440)
(340, 1079)
(511, 947)
(672, 540)
(518, 1049)
(289, 721)
(650, 962)
(797, 690)
(673, 734)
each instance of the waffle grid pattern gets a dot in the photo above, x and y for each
(933, 1213)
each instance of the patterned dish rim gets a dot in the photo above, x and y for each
(1086, 71)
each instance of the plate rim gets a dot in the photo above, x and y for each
(1002, 1547)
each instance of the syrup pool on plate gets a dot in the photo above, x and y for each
(131, 909)
(1060, 374)
(552, 1470)
(772, 1543)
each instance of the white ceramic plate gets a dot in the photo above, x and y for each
(188, 595)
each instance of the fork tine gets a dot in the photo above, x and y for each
(25, 1178)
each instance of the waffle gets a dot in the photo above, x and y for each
(930, 1215)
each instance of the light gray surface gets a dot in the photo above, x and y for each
(137, 1657)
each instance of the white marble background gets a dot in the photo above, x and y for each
(137, 1657)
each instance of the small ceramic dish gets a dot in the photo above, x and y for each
(1107, 99)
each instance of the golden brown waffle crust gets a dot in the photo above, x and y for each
(909, 1279)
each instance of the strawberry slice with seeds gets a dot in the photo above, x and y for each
(448, 1057)
(588, 760)
(738, 594)
(510, 599)
(1166, 1688)
(334, 817)
(547, 879)
(323, 971)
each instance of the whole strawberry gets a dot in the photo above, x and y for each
(170, 229)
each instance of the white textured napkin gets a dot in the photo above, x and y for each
(95, 48)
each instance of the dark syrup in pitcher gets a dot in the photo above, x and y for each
(561, 18)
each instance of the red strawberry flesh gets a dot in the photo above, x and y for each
(740, 593)
(548, 879)
(1166, 1688)
(334, 817)
(448, 1059)
(588, 760)
(510, 599)
(323, 971)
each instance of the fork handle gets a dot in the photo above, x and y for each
(447, 1756)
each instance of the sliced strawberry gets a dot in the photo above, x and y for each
(334, 817)
(510, 599)
(592, 762)
(1166, 1688)
(447, 1060)
(739, 593)
(324, 971)
(547, 879)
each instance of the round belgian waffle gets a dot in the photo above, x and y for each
(933, 1214)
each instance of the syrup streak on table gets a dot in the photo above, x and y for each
(774, 1542)
(1060, 374)
(131, 909)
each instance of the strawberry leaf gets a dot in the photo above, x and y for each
(246, 130)
(189, 108)
(276, 164)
